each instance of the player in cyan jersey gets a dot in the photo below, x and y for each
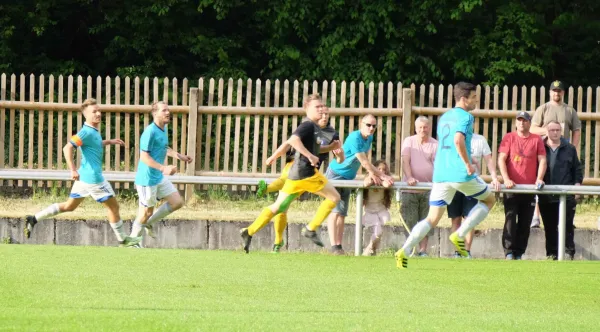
(453, 170)
(150, 181)
(89, 180)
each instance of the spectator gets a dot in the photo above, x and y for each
(522, 160)
(563, 169)
(461, 205)
(356, 147)
(418, 154)
(377, 204)
(555, 110)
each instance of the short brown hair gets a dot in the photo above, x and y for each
(155, 105)
(88, 102)
(553, 122)
(309, 98)
(463, 89)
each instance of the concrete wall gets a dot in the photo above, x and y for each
(224, 235)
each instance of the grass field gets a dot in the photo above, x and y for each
(221, 205)
(115, 289)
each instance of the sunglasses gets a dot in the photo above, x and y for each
(370, 125)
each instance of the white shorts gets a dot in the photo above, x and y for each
(151, 195)
(101, 192)
(442, 193)
(371, 219)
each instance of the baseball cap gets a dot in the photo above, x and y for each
(557, 85)
(524, 115)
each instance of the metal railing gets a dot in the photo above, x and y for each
(563, 191)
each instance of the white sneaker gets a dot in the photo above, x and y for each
(535, 223)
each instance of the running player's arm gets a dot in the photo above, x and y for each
(340, 156)
(296, 143)
(304, 129)
(113, 142)
(76, 141)
(147, 145)
(461, 148)
(176, 155)
(281, 150)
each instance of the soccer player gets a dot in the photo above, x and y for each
(453, 171)
(150, 181)
(303, 176)
(329, 141)
(88, 178)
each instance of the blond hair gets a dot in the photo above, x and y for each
(155, 105)
(88, 102)
(309, 98)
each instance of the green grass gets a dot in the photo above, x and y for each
(110, 289)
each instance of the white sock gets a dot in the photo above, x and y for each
(119, 231)
(477, 214)
(416, 235)
(163, 211)
(136, 229)
(48, 212)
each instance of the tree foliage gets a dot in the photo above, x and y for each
(425, 41)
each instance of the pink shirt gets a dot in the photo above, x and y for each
(421, 158)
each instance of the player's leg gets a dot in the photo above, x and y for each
(279, 224)
(455, 213)
(263, 188)
(173, 201)
(147, 202)
(423, 211)
(114, 219)
(104, 193)
(332, 198)
(479, 190)
(467, 205)
(79, 192)
(286, 196)
(441, 195)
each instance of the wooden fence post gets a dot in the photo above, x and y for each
(406, 118)
(191, 143)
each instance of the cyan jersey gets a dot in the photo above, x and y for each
(89, 140)
(448, 166)
(155, 141)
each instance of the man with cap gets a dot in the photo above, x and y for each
(558, 111)
(521, 160)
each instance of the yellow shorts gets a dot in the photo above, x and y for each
(286, 170)
(312, 184)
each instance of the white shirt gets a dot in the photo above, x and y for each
(479, 148)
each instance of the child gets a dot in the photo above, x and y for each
(377, 209)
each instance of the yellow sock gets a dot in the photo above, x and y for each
(280, 222)
(275, 185)
(322, 213)
(265, 216)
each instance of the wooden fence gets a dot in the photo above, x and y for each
(238, 124)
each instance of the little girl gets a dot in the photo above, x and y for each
(377, 209)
